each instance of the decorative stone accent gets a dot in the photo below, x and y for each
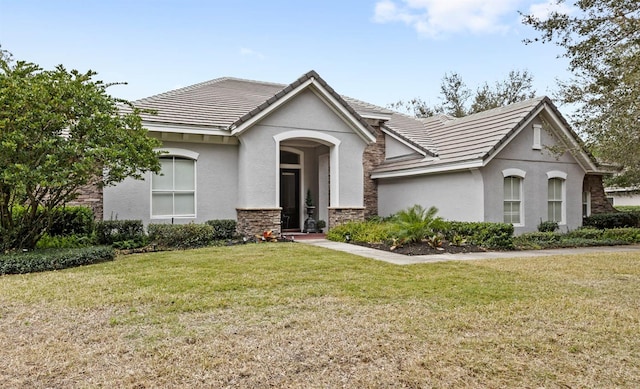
(339, 216)
(90, 196)
(599, 203)
(255, 221)
(372, 157)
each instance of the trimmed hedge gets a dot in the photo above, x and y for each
(71, 220)
(111, 231)
(372, 231)
(612, 220)
(582, 237)
(484, 234)
(223, 229)
(53, 259)
(181, 236)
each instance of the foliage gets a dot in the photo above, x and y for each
(415, 223)
(181, 236)
(60, 131)
(71, 220)
(321, 224)
(67, 241)
(600, 39)
(484, 234)
(223, 229)
(518, 86)
(363, 232)
(112, 231)
(458, 240)
(53, 259)
(582, 237)
(548, 226)
(308, 201)
(612, 220)
(435, 241)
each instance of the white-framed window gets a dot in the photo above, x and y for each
(513, 200)
(555, 202)
(173, 191)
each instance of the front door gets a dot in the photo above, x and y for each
(290, 198)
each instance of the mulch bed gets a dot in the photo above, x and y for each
(424, 249)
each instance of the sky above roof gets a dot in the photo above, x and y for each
(379, 51)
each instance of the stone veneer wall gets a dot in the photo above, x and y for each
(372, 157)
(255, 221)
(599, 202)
(90, 196)
(339, 216)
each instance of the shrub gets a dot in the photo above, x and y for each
(548, 226)
(538, 240)
(110, 231)
(363, 232)
(223, 229)
(73, 220)
(484, 234)
(415, 223)
(628, 235)
(59, 242)
(53, 259)
(181, 236)
(628, 208)
(612, 220)
(585, 233)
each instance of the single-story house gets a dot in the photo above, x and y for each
(250, 151)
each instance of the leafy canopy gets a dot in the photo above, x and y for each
(455, 95)
(601, 39)
(59, 131)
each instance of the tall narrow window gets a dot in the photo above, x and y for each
(537, 137)
(555, 202)
(513, 200)
(586, 203)
(173, 191)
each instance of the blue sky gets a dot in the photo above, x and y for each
(379, 51)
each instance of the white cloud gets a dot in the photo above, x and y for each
(433, 18)
(251, 53)
(543, 10)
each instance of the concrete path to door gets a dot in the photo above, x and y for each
(400, 259)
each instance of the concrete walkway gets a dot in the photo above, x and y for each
(400, 259)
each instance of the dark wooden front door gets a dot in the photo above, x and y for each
(290, 198)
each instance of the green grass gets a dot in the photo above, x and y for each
(301, 316)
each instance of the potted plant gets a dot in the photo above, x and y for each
(320, 225)
(310, 223)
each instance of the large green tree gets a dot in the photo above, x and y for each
(59, 131)
(455, 95)
(601, 39)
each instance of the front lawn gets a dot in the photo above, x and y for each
(292, 315)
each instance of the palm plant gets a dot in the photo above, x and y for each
(415, 223)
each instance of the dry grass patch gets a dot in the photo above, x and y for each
(291, 315)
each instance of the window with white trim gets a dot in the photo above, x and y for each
(537, 137)
(173, 191)
(555, 203)
(586, 203)
(513, 200)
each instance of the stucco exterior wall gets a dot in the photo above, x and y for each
(216, 188)
(304, 114)
(624, 198)
(519, 154)
(395, 149)
(458, 196)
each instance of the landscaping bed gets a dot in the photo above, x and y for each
(424, 249)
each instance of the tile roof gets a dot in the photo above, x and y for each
(225, 103)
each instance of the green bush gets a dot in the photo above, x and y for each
(64, 242)
(416, 223)
(628, 235)
(181, 236)
(53, 259)
(538, 240)
(585, 233)
(223, 229)
(373, 231)
(612, 220)
(548, 226)
(628, 208)
(71, 220)
(484, 234)
(110, 231)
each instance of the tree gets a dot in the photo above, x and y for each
(601, 39)
(59, 131)
(455, 96)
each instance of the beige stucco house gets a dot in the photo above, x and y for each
(250, 151)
